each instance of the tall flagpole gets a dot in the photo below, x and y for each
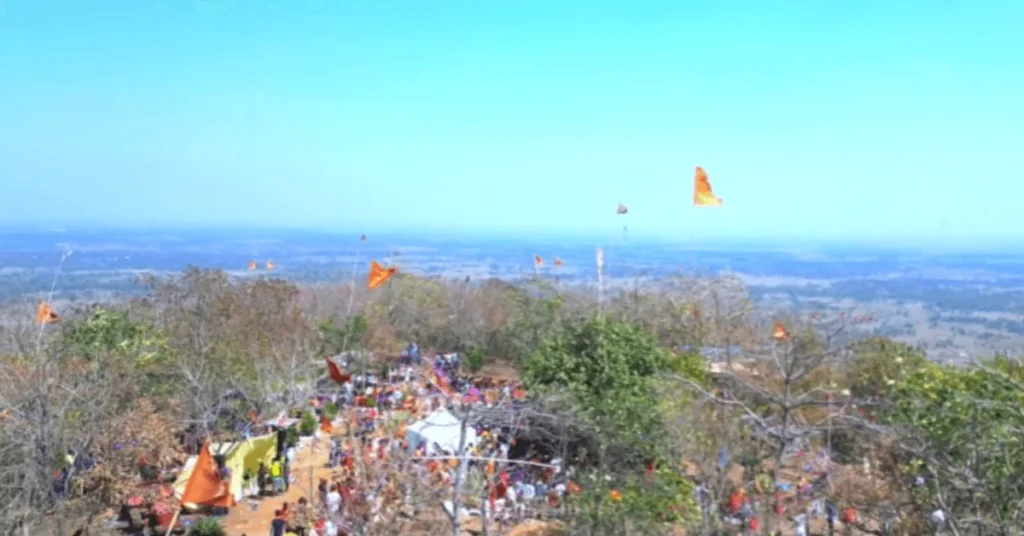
(600, 280)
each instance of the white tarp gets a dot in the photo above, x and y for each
(439, 431)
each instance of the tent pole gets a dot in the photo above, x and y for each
(174, 522)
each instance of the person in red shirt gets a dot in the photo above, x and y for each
(736, 501)
(348, 489)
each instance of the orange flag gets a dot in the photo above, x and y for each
(538, 260)
(252, 266)
(45, 315)
(336, 373)
(780, 334)
(270, 265)
(702, 194)
(379, 275)
(204, 487)
(557, 262)
(442, 384)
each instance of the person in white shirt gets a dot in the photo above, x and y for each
(333, 502)
(800, 525)
(529, 492)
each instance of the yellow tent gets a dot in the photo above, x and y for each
(238, 456)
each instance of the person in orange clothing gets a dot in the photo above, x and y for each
(736, 501)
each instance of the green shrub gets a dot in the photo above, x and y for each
(207, 526)
(330, 410)
(292, 437)
(474, 359)
(308, 425)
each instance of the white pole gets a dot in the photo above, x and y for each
(600, 280)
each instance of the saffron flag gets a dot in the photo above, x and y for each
(442, 384)
(335, 372)
(780, 333)
(205, 487)
(379, 275)
(252, 266)
(702, 194)
(270, 265)
(45, 314)
(538, 260)
(557, 262)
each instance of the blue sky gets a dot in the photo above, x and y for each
(815, 119)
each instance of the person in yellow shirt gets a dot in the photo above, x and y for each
(277, 474)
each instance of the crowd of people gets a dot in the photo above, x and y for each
(369, 436)
(372, 461)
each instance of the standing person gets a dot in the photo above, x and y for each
(247, 482)
(800, 525)
(282, 441)
(831, 512)
(321, 489)
(277, 475)
(330, 528)
(278, 525)
(262, 478)
(333, 501)
(299, 522)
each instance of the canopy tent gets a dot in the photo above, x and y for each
(238, 456)
(439, 432)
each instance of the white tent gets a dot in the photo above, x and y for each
(439, 431)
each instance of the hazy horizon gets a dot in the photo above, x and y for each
(539, 236)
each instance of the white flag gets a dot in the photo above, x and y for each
(600, 259)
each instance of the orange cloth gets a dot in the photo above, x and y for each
(205, 487)
(702, 194)
(379, 275)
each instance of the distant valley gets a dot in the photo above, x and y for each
(954, 305)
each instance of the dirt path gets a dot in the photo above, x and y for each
(243, 520)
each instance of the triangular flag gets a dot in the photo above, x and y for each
(379, 275)
(45, 314)
(335, 372)
(252, 266)
(204, 486)
(780, 333)
(702, 194)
